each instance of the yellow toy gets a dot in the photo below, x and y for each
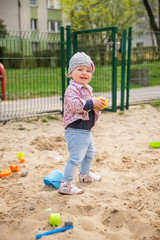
(105, 100)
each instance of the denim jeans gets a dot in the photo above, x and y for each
(81, 152)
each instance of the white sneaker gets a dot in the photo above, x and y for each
(69, 188)
(90, 177)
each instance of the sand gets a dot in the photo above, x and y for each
(124, 206)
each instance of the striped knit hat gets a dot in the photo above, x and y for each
(78, 59)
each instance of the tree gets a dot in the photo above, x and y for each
(85, 14)
(3, 33)
(3, 30)
(90, 14)
(153, 11)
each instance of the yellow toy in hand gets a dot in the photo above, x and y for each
(105, 100)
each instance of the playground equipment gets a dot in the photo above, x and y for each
(3, 84)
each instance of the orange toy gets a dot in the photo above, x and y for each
(5, 173)
(14, 168)
(22, 159)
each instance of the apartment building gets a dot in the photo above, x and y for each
(32, 15)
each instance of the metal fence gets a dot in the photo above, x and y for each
(100, 45)
(145, 68)
(32, 62)
(33, 73)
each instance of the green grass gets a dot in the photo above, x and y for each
(155, 104)
(52, 117)
(44, 120)
(31, 83)
(44, 82)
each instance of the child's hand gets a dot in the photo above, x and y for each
(99, 103)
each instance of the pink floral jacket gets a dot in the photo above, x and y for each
(74, 101)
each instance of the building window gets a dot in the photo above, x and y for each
(34, 24)
(54, 26)
(35, 46)
(53, 4)
(50, 4)
(33, 3)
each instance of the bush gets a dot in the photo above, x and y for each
(44, 58)
(2, 50)
(14, 60)
(57, 58)
(29, 62)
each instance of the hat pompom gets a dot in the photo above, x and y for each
(93, 67)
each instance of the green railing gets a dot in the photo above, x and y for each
(35, 66)
(144, 70)
(100, 44)
(32, 62)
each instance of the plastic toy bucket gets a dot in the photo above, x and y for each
(54, 219)
(54, 178)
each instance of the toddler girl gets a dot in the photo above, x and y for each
(81, 111)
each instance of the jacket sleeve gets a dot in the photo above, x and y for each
(88, 105)
(74, 101)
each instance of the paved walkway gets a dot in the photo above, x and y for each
(32, 107)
